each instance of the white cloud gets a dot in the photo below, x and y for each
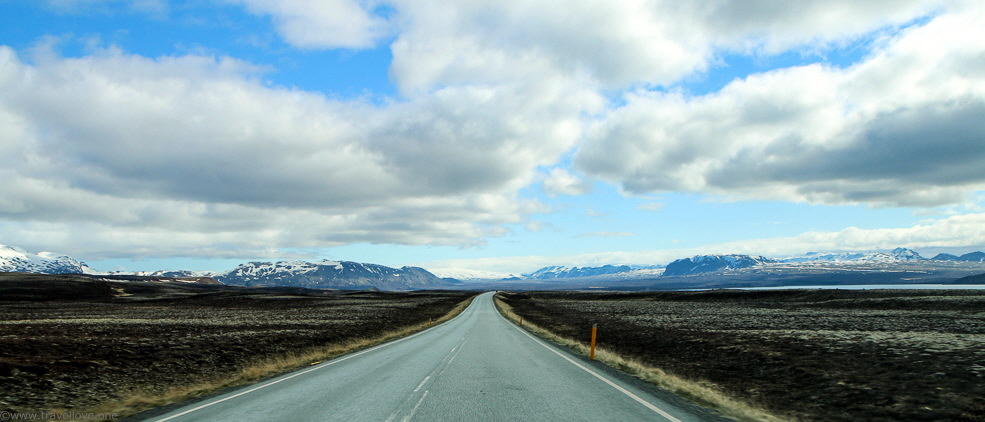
(202, 148)
(615, 44)
(323, 23)
(774, 27)
(562, 182)
(651, 206)
(956, 231)
(194, 155)
(618, 43)
(898, 129)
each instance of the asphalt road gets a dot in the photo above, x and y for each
(478, 366)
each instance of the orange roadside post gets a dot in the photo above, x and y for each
(591, 353)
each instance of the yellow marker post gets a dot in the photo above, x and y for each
(591, 352)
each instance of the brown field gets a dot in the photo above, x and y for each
(123, 347)
(842, 355)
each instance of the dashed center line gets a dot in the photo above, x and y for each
(447, 360)
(422, 383)
(416, 406)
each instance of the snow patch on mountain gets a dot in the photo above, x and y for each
(643, 271)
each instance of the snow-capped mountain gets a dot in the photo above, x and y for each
(896, 255)
(330, 275)
(553, 272)
(708, 263)
(14, 259)
(469, 274)
(167, 273)
(323, 274)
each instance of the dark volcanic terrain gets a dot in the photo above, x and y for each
(70, 343)
(844, 355)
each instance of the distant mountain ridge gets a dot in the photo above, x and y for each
(168, 273)
(557, 271)
(331, 275)
(355, 275)
(968, 257)
(709, 263)
(17, 260)
(470, 274)
(314, 275)
(896, 255)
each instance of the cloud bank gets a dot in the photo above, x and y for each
(124, 143)
(116, 154)
(897, 129)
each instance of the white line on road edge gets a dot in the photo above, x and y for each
(326, 364)
(649, 405)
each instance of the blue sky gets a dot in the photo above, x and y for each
(499, 136)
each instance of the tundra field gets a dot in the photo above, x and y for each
(68, 344)
(847, 355)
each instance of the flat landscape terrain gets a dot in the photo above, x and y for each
(802, 354)
(71, 344)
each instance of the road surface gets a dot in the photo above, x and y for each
(476, 367)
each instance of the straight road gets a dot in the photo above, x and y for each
(476, 367)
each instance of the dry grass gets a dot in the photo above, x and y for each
(699, 392)
(139, 401)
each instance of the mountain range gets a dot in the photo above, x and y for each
(968, 257)
(331, 275)
(354, 275)
(312, 275)
(896, 255)
(556, 272)
(709, 263)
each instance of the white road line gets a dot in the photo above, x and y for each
(451, 360)
(459, 347)
(649, 405)
(440, 369)
(422, 383)
(416, 406)
(321, 366)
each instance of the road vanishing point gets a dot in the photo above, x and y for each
(476, 367)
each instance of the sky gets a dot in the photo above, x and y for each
(500, 135)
